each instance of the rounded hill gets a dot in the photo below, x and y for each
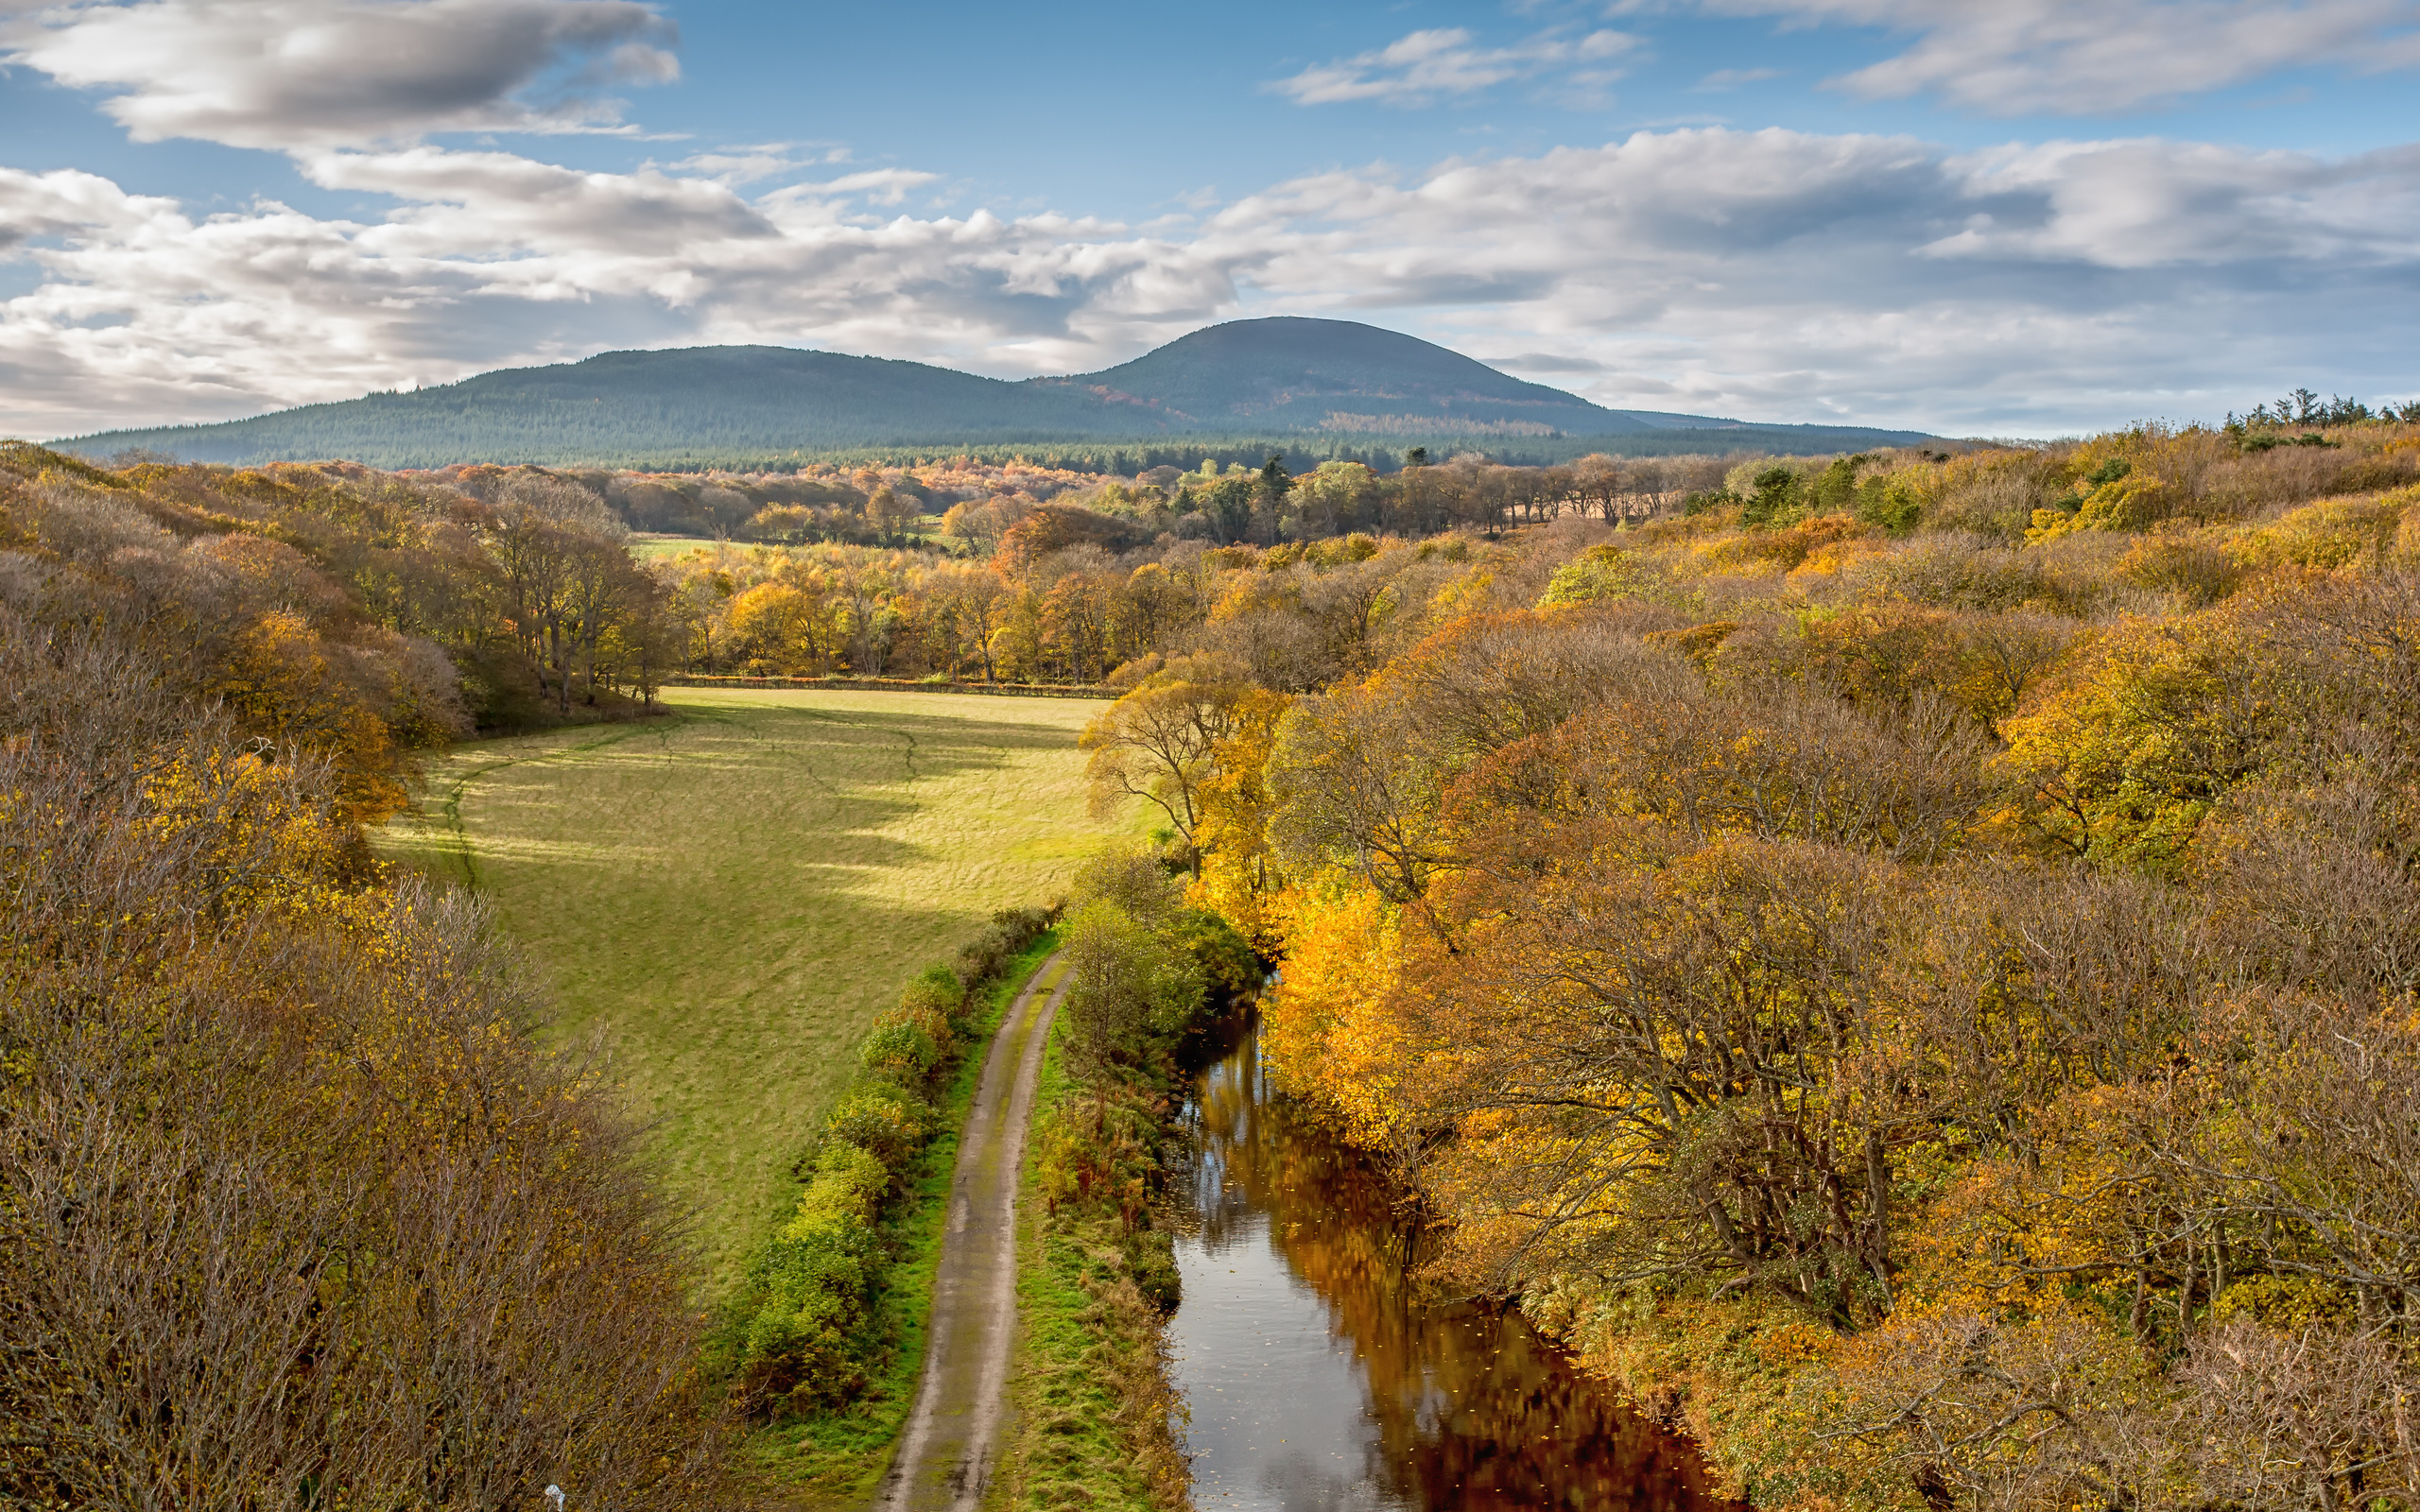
(1292, 372)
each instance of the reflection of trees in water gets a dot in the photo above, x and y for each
(1296, 1484)
(1472, 1409)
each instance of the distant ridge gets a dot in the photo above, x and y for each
(1292, 373)
(1274, 378)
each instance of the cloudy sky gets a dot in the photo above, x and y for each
(1977, 216)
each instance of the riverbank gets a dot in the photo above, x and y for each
(1098, 1419)
(1096, 1415)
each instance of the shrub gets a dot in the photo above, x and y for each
(933, 1023)
(936, 990)
(2115, 496)
(985, 956)
(1598, 573)
(882, 1120)
(2329, 533)
(903, 1051)
(1779, 498)
(813, 1287)
(2188, 564)
(850, 1183)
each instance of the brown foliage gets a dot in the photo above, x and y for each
(292, 1211)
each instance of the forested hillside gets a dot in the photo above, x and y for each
(1294, 375)
(1910, 966)
(1236, 388)
(293, 1212)
(1905, 961)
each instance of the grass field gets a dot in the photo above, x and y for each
(721, 900)
(648, 546)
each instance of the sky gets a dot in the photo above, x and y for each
(1978, 217)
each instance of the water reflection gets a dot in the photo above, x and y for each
(1322, 1379)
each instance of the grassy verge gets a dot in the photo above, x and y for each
(836, 1457)
(722, 902)
(1096, 1414)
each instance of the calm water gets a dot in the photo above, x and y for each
(1320, 1376)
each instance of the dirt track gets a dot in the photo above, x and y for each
(947, 1456)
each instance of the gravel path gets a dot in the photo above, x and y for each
(952, 1440)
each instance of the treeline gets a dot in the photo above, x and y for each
(1052, 577)
(1911, 967)
(360, 613)
(1054, 581)
(2303, 408)
(573, 438)
(293, 1212)
(1379, 450)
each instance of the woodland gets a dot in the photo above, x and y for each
(1908, 962)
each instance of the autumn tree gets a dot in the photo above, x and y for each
(1160, 741)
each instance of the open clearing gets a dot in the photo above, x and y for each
(722, 901)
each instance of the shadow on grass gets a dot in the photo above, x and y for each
(721, 902)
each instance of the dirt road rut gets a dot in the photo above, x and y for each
(947, 1456)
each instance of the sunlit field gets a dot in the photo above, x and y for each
(720, 902)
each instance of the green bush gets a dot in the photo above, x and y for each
(903, 1051)
(1598, 573)
(1134, 991)
(936, 990)
(801, 1329)
(1012, 929)
(882, 1119)
(1226, 959)
(850, 1183)
(812, 1284)
(1780, 499)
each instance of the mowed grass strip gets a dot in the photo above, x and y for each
(723, 901)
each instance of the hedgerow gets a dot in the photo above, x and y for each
(804, 1336)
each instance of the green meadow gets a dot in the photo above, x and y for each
(721, 900)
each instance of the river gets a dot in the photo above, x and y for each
(1321, 1377)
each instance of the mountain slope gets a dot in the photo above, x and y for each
(1295, 375)
(698, 401)
(1248, 378)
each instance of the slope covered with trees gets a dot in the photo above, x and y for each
(1908, 965)
(293, 1212)
(771, 407)
(1289, 373)
(1904, 959)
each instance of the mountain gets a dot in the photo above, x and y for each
(1289, 373)
(739, 405)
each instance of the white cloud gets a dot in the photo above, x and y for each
(65, 201)
(2153, 203)
(510, 205)
(1775, 275)
(1426, 66)
(287, 74)
(2103, 57)
(750, 164)
(1722, 78)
